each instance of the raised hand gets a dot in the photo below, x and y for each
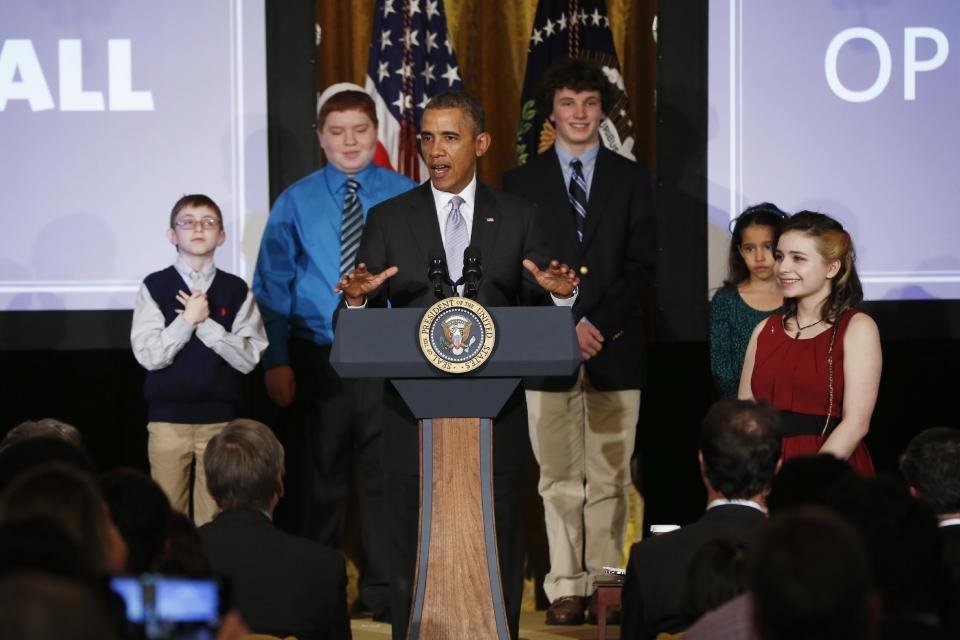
(557, 279)
(196, 309)
(359, 283)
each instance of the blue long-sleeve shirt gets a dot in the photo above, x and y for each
(299, 261)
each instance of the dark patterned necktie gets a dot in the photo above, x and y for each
(578, 195)
(351, 228)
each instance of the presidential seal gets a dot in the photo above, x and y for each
(457, 335)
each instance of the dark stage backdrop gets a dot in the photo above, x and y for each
(78, 367)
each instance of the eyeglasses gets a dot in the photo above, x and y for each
(189, 223)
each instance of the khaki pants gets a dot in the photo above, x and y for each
(583, 440)
(171, 449)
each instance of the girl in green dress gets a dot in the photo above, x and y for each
(748, 295)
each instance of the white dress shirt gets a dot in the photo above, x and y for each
(443, 206)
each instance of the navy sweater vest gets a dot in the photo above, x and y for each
(198, 387)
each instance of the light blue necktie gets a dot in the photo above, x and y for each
(457, 239)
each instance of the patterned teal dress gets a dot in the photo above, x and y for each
(731, 322)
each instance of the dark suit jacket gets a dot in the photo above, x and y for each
(404, 232)
(951, 565)
(616, 261)
(281, 585)
(653, 590)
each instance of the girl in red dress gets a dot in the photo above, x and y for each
(795, 360)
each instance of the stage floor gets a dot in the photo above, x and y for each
(532, 627)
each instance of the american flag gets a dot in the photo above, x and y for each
(573, 29)
(411, 60)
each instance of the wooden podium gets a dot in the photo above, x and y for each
(457, 589)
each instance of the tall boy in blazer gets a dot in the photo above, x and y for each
(600, 219)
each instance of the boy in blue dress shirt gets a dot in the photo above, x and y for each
(310, 240)
(197, 331)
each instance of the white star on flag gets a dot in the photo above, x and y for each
(548, 28)
(388, 8)
(451, 75)
(382, 71)
(431, 41)
(410, 38)
(427, 73)
(432, 9)
(385, 39)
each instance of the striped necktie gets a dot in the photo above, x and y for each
(351, 228)
(578, 195)
(457, 239)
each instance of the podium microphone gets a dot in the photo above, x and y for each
(437, 273)
(472, 273)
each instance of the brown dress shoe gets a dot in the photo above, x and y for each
(613, 613)
(567, 610)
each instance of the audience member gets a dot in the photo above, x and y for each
(903, 545)
(599, 214)
(184, 554)
(27, 453)
(141, 511)
(739, 453)
(748, 295)
(42, 428)
(68, 497)
(806, 480)
(40, 544)
(803, 481)
(197, 331)
(931, 467)
(810, 579)
(717, 574)
(43, 606)
(282, 585)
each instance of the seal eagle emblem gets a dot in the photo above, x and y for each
(457, 335)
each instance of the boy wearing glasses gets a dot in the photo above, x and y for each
(196, 330)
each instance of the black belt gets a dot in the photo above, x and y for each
(805, 424)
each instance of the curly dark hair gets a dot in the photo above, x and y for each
(931, 464)
(765, 214)
(577, 74)
(833, 243)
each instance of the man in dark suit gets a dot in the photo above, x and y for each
(583, 427)
(281, 585)
(931, 466)
(739, 454)
(450, 212)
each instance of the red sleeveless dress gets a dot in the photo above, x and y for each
(793, 376)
